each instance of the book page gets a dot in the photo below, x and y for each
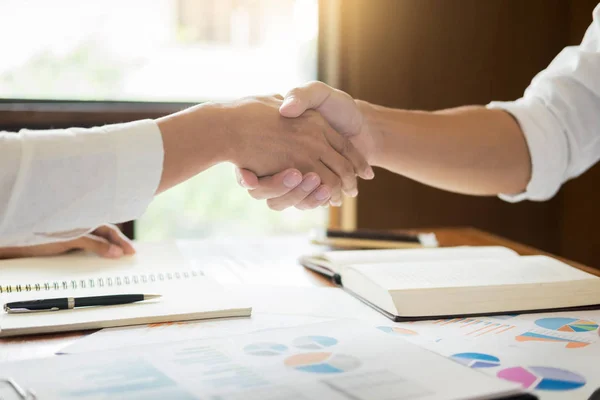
(344, 258)
(470, 273)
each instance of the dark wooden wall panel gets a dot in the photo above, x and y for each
(432, 54)
(580, 212)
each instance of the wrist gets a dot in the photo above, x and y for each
(194, 140)
(371, 130)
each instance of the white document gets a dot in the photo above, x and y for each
(332, 360)
(554, 354)
(262, 261)
(168, 332)
(272, 307)
(332, 302)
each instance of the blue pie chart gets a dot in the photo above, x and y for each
(476, 360)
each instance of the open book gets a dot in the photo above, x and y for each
(417, 284)
(157, 268)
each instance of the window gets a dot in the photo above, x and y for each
(167, 51)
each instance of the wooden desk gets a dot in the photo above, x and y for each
(20, 348)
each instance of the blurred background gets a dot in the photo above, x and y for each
(69, 62)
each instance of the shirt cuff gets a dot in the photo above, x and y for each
(139, 168)
(546, 146)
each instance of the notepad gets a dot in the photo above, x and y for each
(465, 281)
(157, 268)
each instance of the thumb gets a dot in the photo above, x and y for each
(99, 246)
(246, 179)
(300, 99)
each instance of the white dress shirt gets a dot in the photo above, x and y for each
(60, 184)
(560, 117)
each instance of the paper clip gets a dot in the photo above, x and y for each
(23, 394)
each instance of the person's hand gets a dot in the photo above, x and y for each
(106, 241)
(341, 111)
(344, 114)
(307, 143)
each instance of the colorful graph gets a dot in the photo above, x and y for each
(397, 331)
(533, 336)
(567, 324)
(314, 342)
(265, 349)
(543, 378)
(571, 331)
(476, 360)
(322, 362)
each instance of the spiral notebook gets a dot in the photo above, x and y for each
(157, 268)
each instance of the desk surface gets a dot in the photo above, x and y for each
(20, 348)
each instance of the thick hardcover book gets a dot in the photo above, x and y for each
(418, 284)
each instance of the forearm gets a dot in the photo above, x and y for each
(471, 150)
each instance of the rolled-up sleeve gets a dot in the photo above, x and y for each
(559, 115)
(59, 184)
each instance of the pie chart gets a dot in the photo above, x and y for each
(476, 360)
(397, 331)
(543, 378)
(322, 362)
(265, 349)
(567, 324)
(314, 342)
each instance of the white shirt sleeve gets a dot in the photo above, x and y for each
(559, 115)
(60, 184)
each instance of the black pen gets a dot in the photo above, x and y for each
(67, 303)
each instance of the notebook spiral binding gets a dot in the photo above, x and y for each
(101, 281)
(24, 394)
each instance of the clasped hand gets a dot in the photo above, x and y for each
(307, 143)
(328, 108)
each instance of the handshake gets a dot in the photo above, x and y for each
(303, 151)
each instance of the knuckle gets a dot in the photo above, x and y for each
(316, 84)
(295, 92)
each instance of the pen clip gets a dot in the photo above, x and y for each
(26, 310)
